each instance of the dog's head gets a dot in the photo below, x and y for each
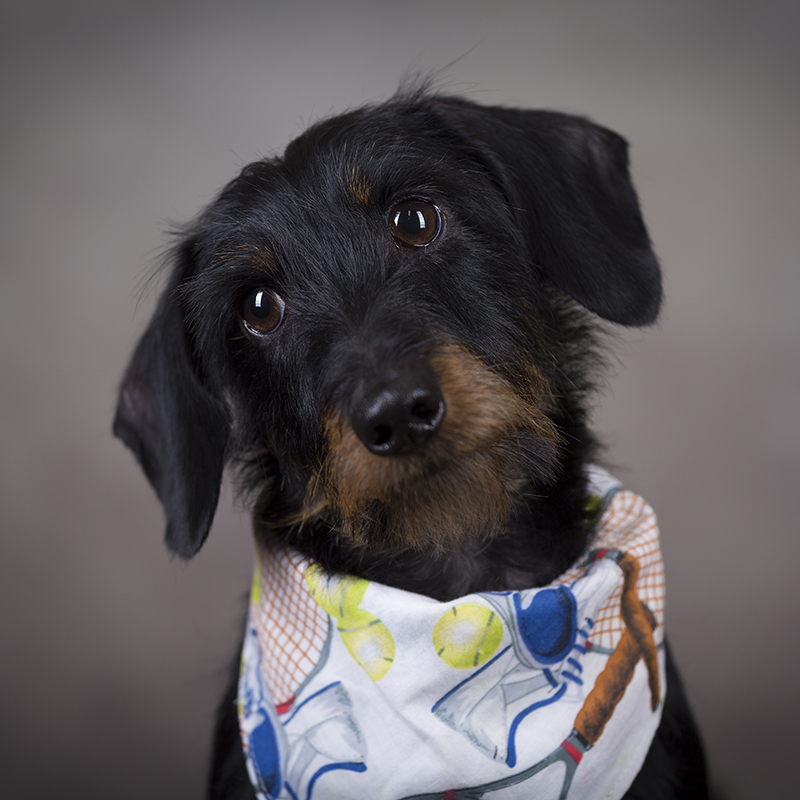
(389, 322)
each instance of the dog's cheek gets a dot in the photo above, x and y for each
(483, 408)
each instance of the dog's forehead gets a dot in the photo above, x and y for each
(367, 158)
(373, 138)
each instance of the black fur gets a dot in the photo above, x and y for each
(540, 226)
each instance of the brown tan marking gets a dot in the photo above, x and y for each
(261, 258)
(359, 188)
(460, 485)
(264, 259)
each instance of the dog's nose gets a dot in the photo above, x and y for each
(399, 417)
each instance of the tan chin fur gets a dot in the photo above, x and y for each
(460, 485)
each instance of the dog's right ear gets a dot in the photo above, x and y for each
(176, 428)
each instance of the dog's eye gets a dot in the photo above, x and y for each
(415, 223)
(261, 311)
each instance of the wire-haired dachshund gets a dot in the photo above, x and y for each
(391, 333)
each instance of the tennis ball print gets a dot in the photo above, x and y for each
(366, 638)
(467, 635)
(369, 642)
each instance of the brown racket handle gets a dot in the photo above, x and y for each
(611, 684)
(640, 622)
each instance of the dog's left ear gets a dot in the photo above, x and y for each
(568, 179)
(176, 428)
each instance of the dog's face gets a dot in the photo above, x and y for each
(386, 322)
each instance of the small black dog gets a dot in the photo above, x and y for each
(387, 331)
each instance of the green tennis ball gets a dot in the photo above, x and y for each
(338, 596)
(593, 506)
(366, 638)
(369, 642)
(255, 585)
(467, 635)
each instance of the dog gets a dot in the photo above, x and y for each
(392, 333)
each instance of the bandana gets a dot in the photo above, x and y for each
(350, 688)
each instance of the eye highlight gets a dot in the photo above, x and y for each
(261, 311)
(415, 223)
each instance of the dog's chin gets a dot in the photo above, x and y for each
(423, 503)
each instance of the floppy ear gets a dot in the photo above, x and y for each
(175, 427)
(579, 211)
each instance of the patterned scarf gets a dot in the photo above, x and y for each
(350, 688)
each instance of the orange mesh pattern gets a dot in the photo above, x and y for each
(291, 626)
(629, 524)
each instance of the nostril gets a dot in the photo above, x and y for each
(426, 411)
(423, 411)
(424, 421)
(382, 435)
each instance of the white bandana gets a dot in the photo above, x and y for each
(350, 688)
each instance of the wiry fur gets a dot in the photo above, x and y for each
(540, 235)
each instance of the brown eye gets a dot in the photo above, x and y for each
(415, 223)
(261, 311)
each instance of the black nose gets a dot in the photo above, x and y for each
(400, 416)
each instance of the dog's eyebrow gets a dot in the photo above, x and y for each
(239, 255)
(359, 188)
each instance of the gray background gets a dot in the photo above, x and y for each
(118, 119)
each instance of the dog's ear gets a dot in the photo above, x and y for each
(569, 179)
(176, 428)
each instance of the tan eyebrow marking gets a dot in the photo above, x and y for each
(261, 258)
(359, 188)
